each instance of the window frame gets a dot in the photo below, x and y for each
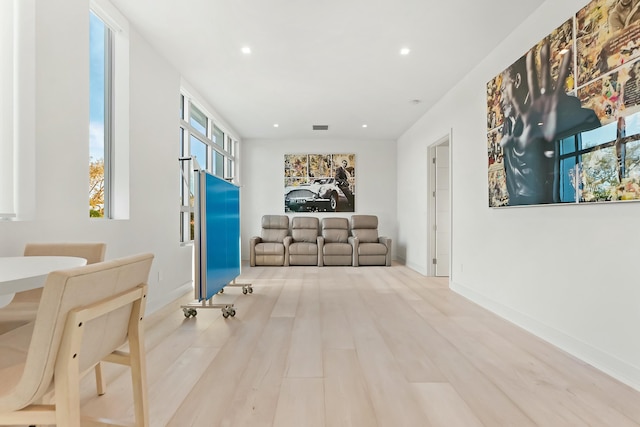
(107, 117)
(574, 157)
(116, 129)
(226, 149)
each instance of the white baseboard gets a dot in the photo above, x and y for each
(171, 297)
(611, 365)
(418, 268)
(415, 267)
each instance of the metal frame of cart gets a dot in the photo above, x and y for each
(216, 239)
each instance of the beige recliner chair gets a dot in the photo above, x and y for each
(272, 246)
(333, 245)
(303, 249)
(368, 247)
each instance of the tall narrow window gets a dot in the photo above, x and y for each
(100, 93)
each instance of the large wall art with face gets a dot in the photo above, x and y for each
(319, 182)
(556, 134)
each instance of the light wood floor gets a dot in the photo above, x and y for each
(367, 346)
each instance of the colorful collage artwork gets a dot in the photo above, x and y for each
(319, 182)
(556, 134)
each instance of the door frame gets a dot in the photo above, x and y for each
(431, 197)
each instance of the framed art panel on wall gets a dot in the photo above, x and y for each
(563, 121)
(319, 182)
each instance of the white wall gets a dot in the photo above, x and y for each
(567, 273)
(262, 190)
(60, 170)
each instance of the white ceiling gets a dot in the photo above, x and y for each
(331, 62)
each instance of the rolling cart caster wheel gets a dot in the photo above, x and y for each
(225, 313)
(187, 312)
(244, 290)
(193, 312)
(221, 291)
(250, 290)
(232, 313)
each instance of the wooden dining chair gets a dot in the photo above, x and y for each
(92, 252)
(87, 314)
(24, 306)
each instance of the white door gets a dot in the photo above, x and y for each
(442, 210)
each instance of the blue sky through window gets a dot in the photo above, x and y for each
(96, 87)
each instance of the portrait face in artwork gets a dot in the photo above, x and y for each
(514, 89)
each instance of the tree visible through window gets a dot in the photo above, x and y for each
(100, 123)
(602, 164)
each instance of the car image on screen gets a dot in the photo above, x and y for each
(321, 195)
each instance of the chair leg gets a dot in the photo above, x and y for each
(139, 383)
(67, 389)
(100, 383)
(138, 365)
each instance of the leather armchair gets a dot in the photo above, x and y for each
(334, 247)
(303, 249)
(272, 246)
(368, 247)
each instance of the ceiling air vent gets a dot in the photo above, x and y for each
(320, 127)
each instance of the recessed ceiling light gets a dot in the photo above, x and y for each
(275, 125)
(364, 126)
(246, 50)
(405, 51)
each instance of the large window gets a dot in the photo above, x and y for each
(204, 145)
(602, 164)
(101, 57)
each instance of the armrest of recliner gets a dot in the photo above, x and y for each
(387, 242)
(252, 249)
(286, 242)
(320, 243)
(354, 244)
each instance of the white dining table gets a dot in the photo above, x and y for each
(21, 273)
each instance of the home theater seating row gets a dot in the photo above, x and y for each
(326, 242)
